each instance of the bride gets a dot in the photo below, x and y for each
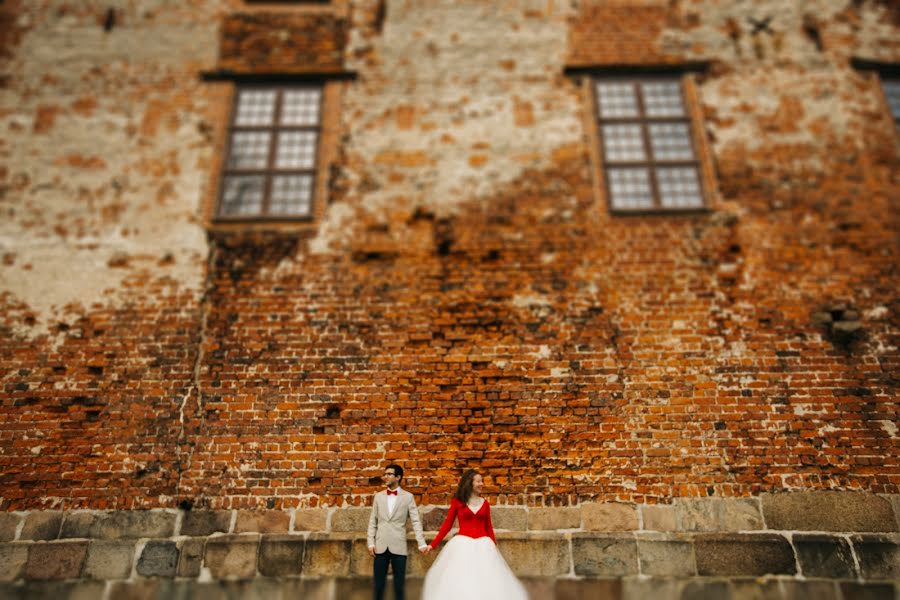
(470, 566)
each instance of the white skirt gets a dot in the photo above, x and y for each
(471, 569)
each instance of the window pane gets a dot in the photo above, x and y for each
(296, 150)
(630, 189)
(255, 107)
(671, 141)
(249, 150)
(291, 195)
(623, 142)
(300, 107)
(242, 195)
(892, 91)
(662, 99)
(679, 187)
(617, 100)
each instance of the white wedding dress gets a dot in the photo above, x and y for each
(471, 569)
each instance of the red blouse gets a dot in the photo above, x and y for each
(473, 525)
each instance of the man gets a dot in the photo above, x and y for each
(387, 532)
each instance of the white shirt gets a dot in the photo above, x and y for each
(392, 501)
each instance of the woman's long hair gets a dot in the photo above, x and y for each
(464, 489)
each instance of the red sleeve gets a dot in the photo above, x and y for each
(448, 523)
(490, 525)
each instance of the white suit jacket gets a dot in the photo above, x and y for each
(388, 531)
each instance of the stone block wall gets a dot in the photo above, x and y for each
(722, 548)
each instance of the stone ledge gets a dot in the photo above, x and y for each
(847, 512)
(529, 554)
(540, 588)
(829, 511)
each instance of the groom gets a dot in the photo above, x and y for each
(387, 531)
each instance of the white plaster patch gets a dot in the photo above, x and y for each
(889, 427)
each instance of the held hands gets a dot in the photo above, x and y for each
(425, 549)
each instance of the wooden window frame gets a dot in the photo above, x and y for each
(884, 71)
(650, 163)
(270, 171)
(894, 79)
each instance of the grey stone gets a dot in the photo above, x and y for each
(651, 588)
(547, 518)
(828, 511)
(350, 519)
(125, 524)
(262, 521)
(9, 523)
(717, 514)
(254, 589)
(740, 514)
(604, 556)
(109, 559)
(53, 590)
(281, 555)
(697, 514)
(159, 558)
(539, 587)
(755, 589)
(659, 518)
(42, 525)
(309, 589)
(609, 516)
(894, 499)
(361, 560)
(55, 560)
(535, 556)
(326, 558)
(310, 519)
(512, 518)
(851, 590)
(360, 588)
(434, 518)
(743, 555)
(879, 556)
(12, 561)
(198, 523)
(190, 557)
(232, 556)
(795, 589)
(824, 556)
(666, 558)
(706, 590)
(587, 589)
(120, 524)
(77, 524)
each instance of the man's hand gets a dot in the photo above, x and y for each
(372, 551)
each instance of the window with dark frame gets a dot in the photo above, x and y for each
(270, 165)
(647, 148)
(891, 87)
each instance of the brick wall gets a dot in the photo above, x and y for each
(464, 297)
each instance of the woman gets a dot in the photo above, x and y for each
(470, 567)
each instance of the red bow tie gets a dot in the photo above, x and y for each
(392, 492)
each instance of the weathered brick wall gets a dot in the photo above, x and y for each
(465, 298)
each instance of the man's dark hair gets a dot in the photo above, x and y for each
(398, 470)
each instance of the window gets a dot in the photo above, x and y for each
(272, 152)
(647, 148)
(892, 92)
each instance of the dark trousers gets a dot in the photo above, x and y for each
(398, 568)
